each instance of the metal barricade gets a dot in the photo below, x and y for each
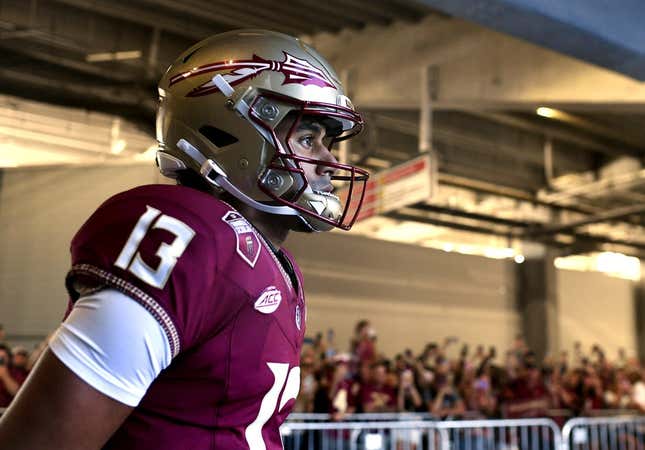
(406, 434)
(372, 435)
(362, 417)
(604, 433)
(513, 434)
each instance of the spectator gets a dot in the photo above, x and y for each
(592, 392)
(430, 354)
(365, 348)
(320, 346)
(376, 395)
(8, 384)
(322, 403)
(20, 364)
(619, 395)
(483, 399)
(424, 377)
(638, 392)
(528, 394)
(408, 398)
(448, 404)
(308, 386)
(343, 390)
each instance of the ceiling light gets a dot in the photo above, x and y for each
(118, 146)
(7, 163)
(610, 263)
(519, 259)
(546, 112)
(113, 56)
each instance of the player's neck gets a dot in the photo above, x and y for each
(270, 226)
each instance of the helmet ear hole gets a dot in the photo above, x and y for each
(218, 137)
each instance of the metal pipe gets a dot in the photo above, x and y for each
(425, 116)
(548, 161)
(448, 224)
(618, 182)
(471, 215)
(556, 133)
(603, 217)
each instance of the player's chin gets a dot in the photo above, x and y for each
(326, 194)
(324, 189)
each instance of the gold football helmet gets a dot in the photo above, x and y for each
(221, 102)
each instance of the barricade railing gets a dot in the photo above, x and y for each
(506, 434)
(365, 435)
(361, 417)
(405, 434)
(604, 433)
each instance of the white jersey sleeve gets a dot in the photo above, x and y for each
(113, 344)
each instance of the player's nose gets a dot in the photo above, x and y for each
(324, 169)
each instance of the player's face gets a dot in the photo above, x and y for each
(311, 140)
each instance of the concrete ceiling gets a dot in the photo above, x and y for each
(609, 34)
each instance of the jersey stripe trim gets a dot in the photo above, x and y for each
(138, 295)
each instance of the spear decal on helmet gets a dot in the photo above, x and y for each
(295, 71)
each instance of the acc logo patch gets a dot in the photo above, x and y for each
(248, 244)
(269, 300)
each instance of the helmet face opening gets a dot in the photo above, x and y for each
(333, 192)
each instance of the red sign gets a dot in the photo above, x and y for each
(396, 187)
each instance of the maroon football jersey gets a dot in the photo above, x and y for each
(233, 318)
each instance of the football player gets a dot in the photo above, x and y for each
(186, 316)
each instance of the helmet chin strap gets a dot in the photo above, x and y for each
(220, 180)
(215, 176)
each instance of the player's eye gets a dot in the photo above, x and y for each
(306, 141)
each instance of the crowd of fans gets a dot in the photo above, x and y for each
(15, 364)
(472, 384)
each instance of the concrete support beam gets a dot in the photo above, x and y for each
(538, 303)
(639, 317)
(608, 34)
(143, 16)
(476, 69)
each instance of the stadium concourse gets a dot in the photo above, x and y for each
(489, 294)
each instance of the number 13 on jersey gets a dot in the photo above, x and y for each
(130, 259)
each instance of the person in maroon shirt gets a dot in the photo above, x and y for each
(376, 396)
(215, 305)
(20, 364)
(10, 377)
(529, 396)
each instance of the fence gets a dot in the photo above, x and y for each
(419, 431)
(412, 431)
(375, 435)
(604, 433)
(517, 434)
(416, 432)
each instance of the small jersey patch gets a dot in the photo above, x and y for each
(298, 317)
(269, 300)
(248, 245)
